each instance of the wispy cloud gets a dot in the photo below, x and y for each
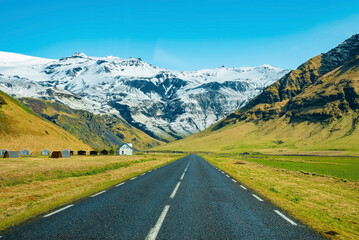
(166, 59)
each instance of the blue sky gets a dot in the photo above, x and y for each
(179, 34)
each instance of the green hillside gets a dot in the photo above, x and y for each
(99, 131)
(22, 128)
(311, 109)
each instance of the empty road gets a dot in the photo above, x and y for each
(186, 199)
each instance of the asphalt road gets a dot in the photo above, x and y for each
(186, 199)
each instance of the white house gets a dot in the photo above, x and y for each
(125, 149)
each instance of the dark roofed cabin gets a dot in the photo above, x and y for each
(81, 152)
(2, 152)
(93, 153)
(104, 152)
(56, 154)
(71, 153)
(12, 154)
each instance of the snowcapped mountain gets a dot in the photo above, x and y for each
(166, 104)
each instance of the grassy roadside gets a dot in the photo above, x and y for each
(32, 186)
(327, 204)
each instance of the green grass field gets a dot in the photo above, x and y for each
(340, 167)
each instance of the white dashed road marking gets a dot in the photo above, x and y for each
(234, 180)
(183, 175)
(285, 217)
(48, 215)
(120, 184)
(243, 187)
(98, 194)
(133, 178)
(175, 190)
(259, 199)
(154, 231)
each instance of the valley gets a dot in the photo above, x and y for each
(311, 109)
(288, 136)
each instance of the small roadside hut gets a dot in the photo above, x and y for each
(71, 152)
(56, 154)
(125, 149)
(2, 152)
(81, 152)
(93, 153)
(65, 153)
(45, 152)
(25, 152)
(12, 154)
(104, 152)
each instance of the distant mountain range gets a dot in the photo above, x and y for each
(167, 105)
(312, 108)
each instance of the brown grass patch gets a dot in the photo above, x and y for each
(326, 204)
(21, 202)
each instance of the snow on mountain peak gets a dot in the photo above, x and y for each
(79, 54)
(167, 104)
(15, 59)
(268, 66)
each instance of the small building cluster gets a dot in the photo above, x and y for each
(124, 149)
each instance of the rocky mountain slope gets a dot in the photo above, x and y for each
(21, 128)
(100, 131)
(314, 107)
(166, 104)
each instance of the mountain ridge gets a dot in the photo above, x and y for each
(21, 128)
(314, 108)
(168, 105)
(99, 131)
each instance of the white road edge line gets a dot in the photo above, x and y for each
(133, 178)
(243, 187)
(175, 190)
(48, 215)
(227, 175)
(234, 180)
(154, 231)
(143, 174)
(183, 176)
(120, 184)
(258, 198)
(285, 217)
(98, 193)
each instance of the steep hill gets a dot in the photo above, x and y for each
(100, 131)
(166, 104)
(22, 128)
(313, 108)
